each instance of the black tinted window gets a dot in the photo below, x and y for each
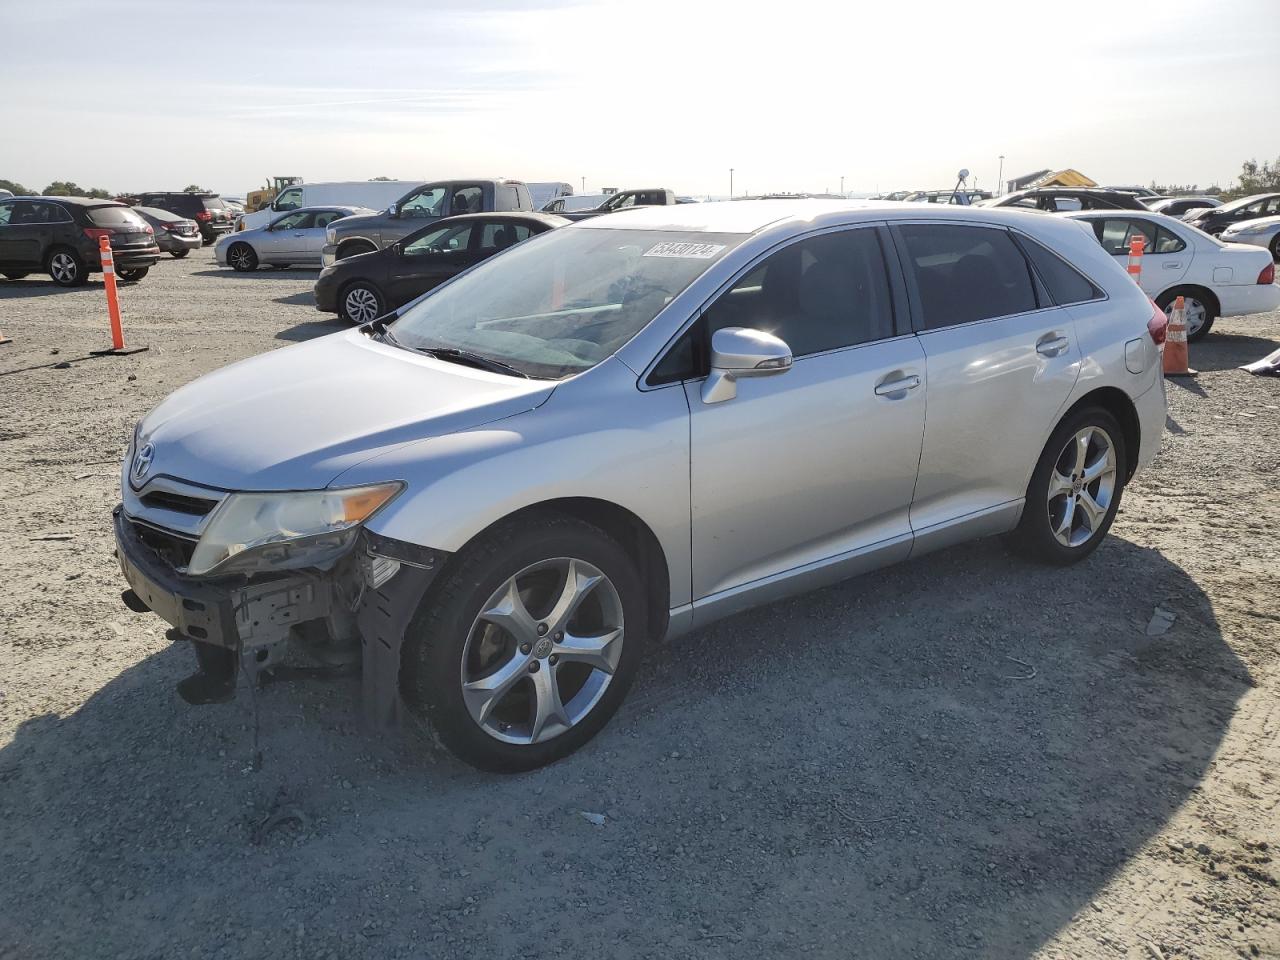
(6, 211)
(116, 217)
(213, 203)
(1064, 282)
(499, 236)
(964, 273)
(818, 294)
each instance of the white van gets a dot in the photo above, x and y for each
(544, 193)
(374, 194)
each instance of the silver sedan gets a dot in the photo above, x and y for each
(1258, 233)
(292, 238)
(629, 427)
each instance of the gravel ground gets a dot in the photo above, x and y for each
(963, 756)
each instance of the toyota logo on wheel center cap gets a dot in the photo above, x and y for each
(542, 648)
(142, 461)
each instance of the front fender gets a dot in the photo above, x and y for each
(596, 437)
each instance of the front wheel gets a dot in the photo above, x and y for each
(1075, 490)
(133, 274)
(241, 256)
(528, 644)
(15, 276)
(179, 254)
(1275, 248)
(361, 302)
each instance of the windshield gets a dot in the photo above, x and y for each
(562, 302)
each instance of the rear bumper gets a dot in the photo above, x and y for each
(171, 243)
(126, 259)
(1153, 414)
(1247, 298)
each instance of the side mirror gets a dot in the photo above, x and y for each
(741, 352)
(393, 211)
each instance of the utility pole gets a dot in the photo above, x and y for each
(584, 184)
(841, 187)
(1000, 178)
(731, 183)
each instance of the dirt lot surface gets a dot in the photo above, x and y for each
(964, 756)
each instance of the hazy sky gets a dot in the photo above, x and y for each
(155, 94)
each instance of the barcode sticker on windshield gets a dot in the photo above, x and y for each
(692, 251)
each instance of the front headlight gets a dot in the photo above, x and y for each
(330, 235)
(253, 532)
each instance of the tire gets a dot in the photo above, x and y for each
(179, 254)
(132, 274)
(242, 258)
(16, 276)
(66, 267)
(360, 301)
(1275, 248)
(281, 266)
(449, 641)
(1039, 535)
(1197, 304)
(354, 249)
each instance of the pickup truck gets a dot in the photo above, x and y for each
(419, 207)
(625, 199)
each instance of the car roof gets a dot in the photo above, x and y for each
(74, 201)
(158, 213)
(753, 216)
(319, 207)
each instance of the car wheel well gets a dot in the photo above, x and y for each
(631, 533)
(1190, 289)
(349, 248)
(1117, 403)
(55, 248)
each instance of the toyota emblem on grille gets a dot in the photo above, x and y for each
(142, 461)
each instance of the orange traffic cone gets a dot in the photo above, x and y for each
(1136, 246)
(4, 339)
(1175, 344)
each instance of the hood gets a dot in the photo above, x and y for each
(361, 223)
(1261, 223)
(295, 418)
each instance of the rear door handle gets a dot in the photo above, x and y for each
(887, 388)
(1052, 344)
(1176, 265)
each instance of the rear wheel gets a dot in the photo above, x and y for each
(361, 302)
(179, 254)
(526, 647)
(1199, 310)
(1275, 248)
(133, 274)
(1075, 490)
(67, 268)
(241, 256)
(281, 266)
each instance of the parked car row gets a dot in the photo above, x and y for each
(60, 236)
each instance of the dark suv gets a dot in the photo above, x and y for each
(60, 235)
(206, 209)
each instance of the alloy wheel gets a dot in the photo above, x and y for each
(63, 267)
(241, 257)
(1195, 313)
(542, 651)
(361, 305)
(1082, 486)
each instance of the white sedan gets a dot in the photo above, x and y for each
(1216, 279)
(293, 237)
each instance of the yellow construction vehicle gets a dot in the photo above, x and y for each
(257, 199)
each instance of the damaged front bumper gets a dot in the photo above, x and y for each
(358, 611)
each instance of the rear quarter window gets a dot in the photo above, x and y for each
(1064, 282)
(116, 217)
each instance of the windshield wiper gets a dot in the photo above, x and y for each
(474, 359)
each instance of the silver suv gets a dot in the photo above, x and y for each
(626, 428)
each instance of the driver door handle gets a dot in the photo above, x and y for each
(887, 388)
(1052, 345)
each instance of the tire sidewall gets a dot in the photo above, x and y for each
(365, 285)
(1169, 296)
(434, 643)
(1034, 536)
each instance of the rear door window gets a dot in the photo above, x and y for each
(962, 274)
(469, 199)
(500, 235)
(1116, 234)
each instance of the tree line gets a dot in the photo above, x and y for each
(66, 188)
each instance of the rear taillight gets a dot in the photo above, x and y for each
(204, 216)
(1268, 274)
(93, 233)
(148, 229)
(1158, 325)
